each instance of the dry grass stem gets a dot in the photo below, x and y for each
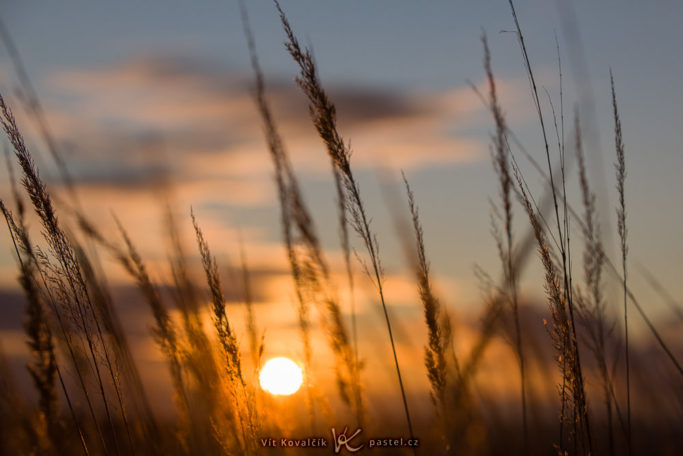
(621, 228)
(323, 113)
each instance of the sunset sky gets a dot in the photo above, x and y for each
(143, 92)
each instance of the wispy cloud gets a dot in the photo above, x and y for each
(169, 121)
(206, 116)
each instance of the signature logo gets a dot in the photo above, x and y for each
(344, 441)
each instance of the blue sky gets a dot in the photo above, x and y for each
(420, 55)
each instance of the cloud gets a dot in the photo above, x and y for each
(129, 129)
(205, 112)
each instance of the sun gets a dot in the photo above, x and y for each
(281, 376)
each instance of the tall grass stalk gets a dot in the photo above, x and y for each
(558, 310)
(54, 294)
(164, 331)
(323, 114)
(131, 383)
(346, 248)
(580, 406)
(621, 228)
(310, 270)
(43, 368)
(577, 218)
(439, 334)
(226, 337)
(439, 338)
(502, 168)
(198, 355)
(69, 270)
(227, 341)
(287, 192)
(29, 96)
(592, 306)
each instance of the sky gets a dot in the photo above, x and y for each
(158, 93)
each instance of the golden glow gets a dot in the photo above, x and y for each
(281, 376)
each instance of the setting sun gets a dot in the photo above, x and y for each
(281, 376)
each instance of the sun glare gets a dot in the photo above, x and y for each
(281, 376)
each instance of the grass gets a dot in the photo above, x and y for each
(621, 228)
(91, 397)
(501, 165)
